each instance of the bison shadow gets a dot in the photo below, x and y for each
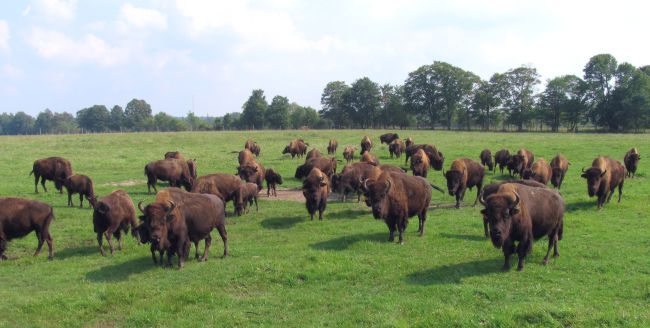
(283, 222)
(344, 214)
(121, 271)
(455, 273)
(76, 251)
(343, 243)
(464, 237)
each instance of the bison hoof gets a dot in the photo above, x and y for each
(520, 268)
(545, 262)
(51, 257)
(505, 268)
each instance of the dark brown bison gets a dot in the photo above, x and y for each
(523, 159)
(631, 161)
(436, 158)
(112, 215)
(326, 165)
(559, 166)
(177, 218)
(52, 168)
(540, 171)
(420, 163)
(366, 144)
(222, 185)
(19, 217)
(486, 159)
(348, 153)
(252, 172)
(82, 185)
(396, 197)
(396, 148)
(296, 147)
(369, 158)
(174, 154)
(501, 158)
(331, 147)
(463, 174)
(176, 171)
(316, 189)
(246, 195)
(388, 138)
(518, 213)
(408, 141)
(313, 153)
(351, 177)
(604, 175)
(272, 179)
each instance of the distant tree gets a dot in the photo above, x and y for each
(21, 123)
(138, 115)
(631, 99)
(334, 108)
(600, 72)
(300, 116)
(422, 94)
(486, 99)
(253, 114)
(64, 123)
(118, 119)
(196, 123)
(277, 116)
(95, 118)
(5, 119)
(362, 102)
(44, 121)
(217, 124)
(518, 94)
(164, 122)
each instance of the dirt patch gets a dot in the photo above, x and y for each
(126, 183)
(295, 195)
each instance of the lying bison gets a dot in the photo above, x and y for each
(604, 175)
(464, 173)
(316, 189)
(52, 168)
(631, 161)
(112, 215)
(559, 166)
(175, 171)
(388, 138)
(19, 217)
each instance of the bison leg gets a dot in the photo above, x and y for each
(423, 218)
(458, 198)
(109, 238)
(508, 248)
(36, 177)
(70, 199)
(256, 208)
(552, 241)
(39, 236)
(485, 227)
(479, 188)
(153, 254)
(620, 191)
(224, 237)
(101, 247)
(208, 242)
(268, 190)
(3, 247)
(118, 236)
(183, 249)
(391, 231)
(401, 226)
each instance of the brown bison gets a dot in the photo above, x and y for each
(316, 189)
(222, 185)
(245, 156)
(331, 147)
(436, 159)
(366, 144)
(191, 166)
(313, 154)
(486, 159)
(174, 154)
(348, 153)
(175, 171)
(248, 144)
(246, 195)
(631, 161)
(540, 171)
(519, 213)
(252, 172)
(420, 163)
(112, 215)
(408, 141)
(388, 138)
(326, 165)
(523, 159)
(52, 168)
(253, 147)
(296, 147)
(82, 185)
(272, 179)
(396, 197)
(19, 217)
(369, 158)
(177, 218)
(351, 177)
(501, 158)
(604, 175)
(559, 166)
(396, 148)
(464, 173)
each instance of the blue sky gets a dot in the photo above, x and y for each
(209, 55)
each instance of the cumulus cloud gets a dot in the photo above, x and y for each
(55, 9)
(4, 35)
(142, 18)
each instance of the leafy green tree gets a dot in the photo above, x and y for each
(138, 115)
(300, 116)
(600, 72)
(21, 123)
(422, 94)
(95, 118)
(164, 122)
(118, 118)
(44, 121)
(333, 104)
(277, 116)
(362, 102)
(518, 94)
(64, 123)
(486, 99)
(217, 124)
(196, 123)
(631, 98)
(253, 115)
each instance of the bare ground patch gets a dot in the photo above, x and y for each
(126, 183)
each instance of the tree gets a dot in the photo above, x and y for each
(518, 94)
(361, 101)
(630, 101)
(600, 71)
(252, 116)
(63, 123)
(21, 123)
(277, 116)
(196, 123)
(334, 108)
(487, 98)
(44, 121)
(217, 124)
(118, 119)
(138, 115)
(300, 116)
(95, 118)
(164, 122)
(422, 94)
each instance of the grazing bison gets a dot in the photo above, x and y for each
(82, 185)
(369, 158)
(174, 154)
(348, 153)
(519, 213)
(326, 165)
(331, 147)
(178, 218)
(604, 175)
(408, 141)
(176, 171)
(19, 217)
(316, 189)
(245, 156)
(272, 179)
(486, 159)
(523, 159)
(502, 158)
(350, 178)
(366, 144)
(252, 172)
(222, 185)
(246, 195)
(464, 173)
(388, 138)
(396, 197)
(559, 166)
(313, 154)
(296, 147)
(436, 159)
(396, 148)
(420, 163)
(112, 215)
(52, 168)
(631, 161)
(540, 172)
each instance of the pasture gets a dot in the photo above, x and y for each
(285, 270)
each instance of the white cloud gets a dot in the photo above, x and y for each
(4, 35)
(55, 9)
(143, 18)
(12, 72)
(56, 45)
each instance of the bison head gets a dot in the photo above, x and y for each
(517, 163)
(454, 181)
(490, 164)
(286, 150)
(499, 212)
(248, 172)
(311, 189)
(594, 177)
(527, 174)
(437, 161)
(376, 192)
(302, 171)
(556, 176)
(156, 217)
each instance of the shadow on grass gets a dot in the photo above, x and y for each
(581, 206)
(283, 222)
(343, 243)
(121, 271)
(453, 274)
(344, 214)
(77, 251)
(464, 237)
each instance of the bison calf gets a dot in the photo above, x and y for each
(272, 179)
(82, 185)
(246, 195)
(19, 217)
(113, 215)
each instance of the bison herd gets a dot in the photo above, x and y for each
(515, 213)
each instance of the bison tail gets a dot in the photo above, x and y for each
(437, 188)
(560, 232)
(32, 172)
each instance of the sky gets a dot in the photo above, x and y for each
(208, 56)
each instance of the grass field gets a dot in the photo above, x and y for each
(288, 271)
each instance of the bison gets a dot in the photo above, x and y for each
(326, 165)
(174, 155)
(486, 159)
(631, 161)
(464, 173)
(420, 163)
(52, 168)
(246, 195)
(245, 156)
(296, 147)
(559, 166)
(348, 153)
(112, 215)
(350, 178)
(502, 158)
(175, 171)
(82, 185)
(604, 175)
(222, 185)
(519, 213)
(436, 158)
(369, 158)
(396, 148)
(388, 138)
(540, 171)
(272, 179)
(408, 141)
(252, 172)
(19, 217)
(331, 146)
(316, 189)
(313, 154)
(523, 159)
(253, 147)
(366, 144)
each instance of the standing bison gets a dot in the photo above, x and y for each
(396, 148)
(559, 166)
(351, 177)
(112, 215)
(502, 158)
(348, 153)
(436, 159)
(331, 146)
(82, 185)
(523, 159)
(486, 159)
(52, 168)
(420, 163)
(366, 144)
(388, 138)
(631, 161)
(252, 171)
(253, 147)
(316, 189)
(326, 165)
(176, 171)
(19, 217)
(540, 171)
(464, 173)
(272, 179)
(296, 147)
(222, 185)
(604, 175)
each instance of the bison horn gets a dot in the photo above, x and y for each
(515, 205)
(482, 200)
(364, 185)
(140, 207)
(583, 169)
(388, 185)
(172, 205)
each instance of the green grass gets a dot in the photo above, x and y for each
(288, 271)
